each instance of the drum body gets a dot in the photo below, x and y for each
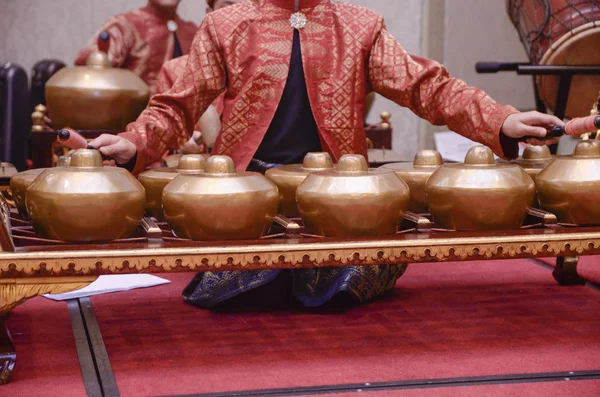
(40, 74)
(15, 121)
(561, 32)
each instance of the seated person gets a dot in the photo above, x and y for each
(144, 39)
(296, 80)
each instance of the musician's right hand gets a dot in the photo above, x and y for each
(118, 148)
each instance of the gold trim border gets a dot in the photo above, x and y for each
(295, 254)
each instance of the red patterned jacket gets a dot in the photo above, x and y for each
(244, 51)
(170, 72)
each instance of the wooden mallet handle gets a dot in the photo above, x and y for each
(71, 139)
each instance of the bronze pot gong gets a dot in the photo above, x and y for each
(289, 177)
(85, 201)
(21, 181)
(352, 200)
(96, 96)
(569, 186)
(220, 204)
(154, 181)
(480, 194)
(534, 159)
(415, 175)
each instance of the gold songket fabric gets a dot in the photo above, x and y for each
(244, 52)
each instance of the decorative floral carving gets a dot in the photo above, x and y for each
(15, 293)
(298, 255)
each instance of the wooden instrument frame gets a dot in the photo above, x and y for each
(30, 266)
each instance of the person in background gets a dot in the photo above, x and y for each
(144, 39)
(296, 75)
(209, 125)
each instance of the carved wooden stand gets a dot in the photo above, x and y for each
(8, 356)
(28, 270)
(565, 272)
(13, 292)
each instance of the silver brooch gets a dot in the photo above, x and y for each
(298, 20)
(172, 26)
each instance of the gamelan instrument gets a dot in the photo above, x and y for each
(7, 170)
(480, 194)
(561, 32)
(208, 200)
(416, 174)
(534, 159)
(289, 177)
(155, 180)
(96, 96)
(352, 200)
(85, 201)
(220, 203)
(569, 186)
(21, 181)
(352, 216)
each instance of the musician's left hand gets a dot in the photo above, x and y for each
(533, 125)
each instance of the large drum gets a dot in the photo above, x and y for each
(561, 32)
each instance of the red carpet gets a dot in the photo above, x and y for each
(551, 389)
(588, 267)
(444, 320)
(47, 362)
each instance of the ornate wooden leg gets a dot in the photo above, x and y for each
(565, 271)
(13, 292)
(8, 356)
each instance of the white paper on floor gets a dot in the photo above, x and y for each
(112, 283)
(454, 147)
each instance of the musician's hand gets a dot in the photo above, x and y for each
(115, 147)
(533, 125)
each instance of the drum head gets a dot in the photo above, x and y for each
(580, 47)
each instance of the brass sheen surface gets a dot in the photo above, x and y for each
(479, 194)
(352, 200)
(7, 170)
(96, 96)
(534, 159)
(570, 185)
(220, 204)
(63, 161)
(154, 181)
(19, 184)
(289, 177)
(85, 201)
(415, 175)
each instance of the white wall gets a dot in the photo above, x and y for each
(404, 21)
(482, 31)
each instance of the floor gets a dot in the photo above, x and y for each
(495, 328)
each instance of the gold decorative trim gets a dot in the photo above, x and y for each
(294, 254)
(13, 292)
